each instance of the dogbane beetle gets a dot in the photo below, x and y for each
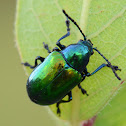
(62, 70)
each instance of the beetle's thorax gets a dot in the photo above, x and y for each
(77, 56)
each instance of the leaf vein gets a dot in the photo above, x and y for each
(108, 23)
(39, 23)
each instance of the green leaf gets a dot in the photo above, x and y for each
(114, 114)
(103, 21)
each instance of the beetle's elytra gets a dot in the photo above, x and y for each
(62, 70)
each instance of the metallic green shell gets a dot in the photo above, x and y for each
(52, 80)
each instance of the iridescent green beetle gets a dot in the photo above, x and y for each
(62, 70)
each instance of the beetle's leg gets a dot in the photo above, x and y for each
(63, 101)
(49, 51)
(37, 58)
(83, 76)
(82, 90)
(66, 35)
(46, 47)
(56, 49)
(114, 68)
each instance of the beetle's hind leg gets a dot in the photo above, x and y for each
(66, 35)
(36, 59)
(63, 101)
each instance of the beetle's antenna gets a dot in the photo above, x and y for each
(74, 23)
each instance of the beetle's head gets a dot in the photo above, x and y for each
(88, 44)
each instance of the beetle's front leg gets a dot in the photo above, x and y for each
(63, 101)
(37, 58)
(66, 35)
(114, 68)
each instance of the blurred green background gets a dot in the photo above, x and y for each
(15, 107)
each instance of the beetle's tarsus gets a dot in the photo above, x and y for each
(58, 112)
(58, 109)
(46, 47)
(68, 24)
(114, 68)
(28, 65)
(82, 90)
(63, 101)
